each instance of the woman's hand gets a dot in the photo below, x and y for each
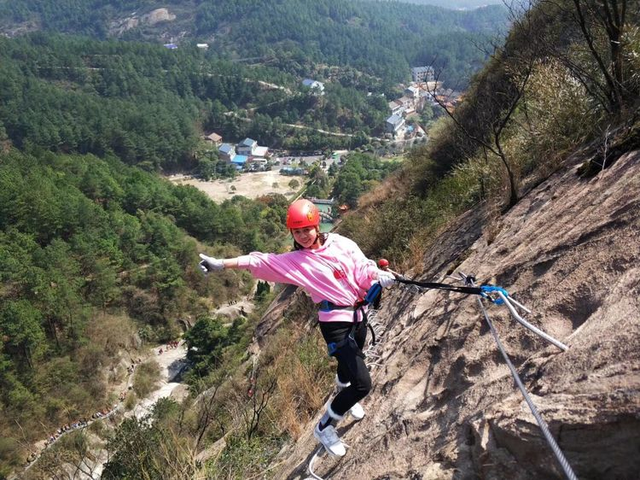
(210, 264)
(386, 279)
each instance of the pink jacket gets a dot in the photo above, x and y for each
(338, 272)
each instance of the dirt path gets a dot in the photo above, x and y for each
(171, 362)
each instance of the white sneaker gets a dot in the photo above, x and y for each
(357, 412)
(330, 440)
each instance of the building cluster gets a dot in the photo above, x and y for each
(244, 154)
(174, 46)
(423, 90)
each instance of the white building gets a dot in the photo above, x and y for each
(394, 124)
(261, 152)
(422, 74)
(396, 107)
(412, 92)
(314, 85)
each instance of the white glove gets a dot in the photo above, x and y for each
(210, 264)
(386, 279)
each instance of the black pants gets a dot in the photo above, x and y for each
(351, 366)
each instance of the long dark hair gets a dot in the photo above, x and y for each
(322, 237)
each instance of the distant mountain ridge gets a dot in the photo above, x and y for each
(380, 38)
(450, 4)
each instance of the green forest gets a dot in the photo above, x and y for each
(453, 4)
(147, 105)
(92, 254)
(379, 38)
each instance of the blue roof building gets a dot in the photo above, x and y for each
(240, 159)
(227, 151)
(226, 148)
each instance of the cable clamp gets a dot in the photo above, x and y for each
(487, 289)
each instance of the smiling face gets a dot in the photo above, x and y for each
(306, 237)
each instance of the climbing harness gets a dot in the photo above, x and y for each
(372, 298)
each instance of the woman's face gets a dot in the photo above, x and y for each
(306, 236)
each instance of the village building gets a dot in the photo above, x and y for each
(239, 161)
(214, 138)
(202, 46)
(396, 107)
(412, 92)
(422, 74)
(431, 86)
(261, 152)
(226, 152)
(394, 124)
(246, 147)
(409, 105)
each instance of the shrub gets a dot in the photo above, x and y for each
(557, 116)
(146, 378)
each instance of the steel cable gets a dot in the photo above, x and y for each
(541, 423)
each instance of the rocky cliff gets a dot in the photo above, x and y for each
(444, 404)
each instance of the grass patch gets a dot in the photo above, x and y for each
(146, 378)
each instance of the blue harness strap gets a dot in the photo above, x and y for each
(372, 295)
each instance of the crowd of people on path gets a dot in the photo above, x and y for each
(100, 414)
(169, 346)
(69, 427)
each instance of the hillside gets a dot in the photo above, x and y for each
(444, 405)
(149, 105)
(380, 38)
(453, 4)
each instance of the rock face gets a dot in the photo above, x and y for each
(444, 404)
(158, 15)
(119, 26)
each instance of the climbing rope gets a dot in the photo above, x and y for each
(440, 286)
(541, 423)
(373, 351)
(312, 463)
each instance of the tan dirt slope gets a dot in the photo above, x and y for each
(444, 405)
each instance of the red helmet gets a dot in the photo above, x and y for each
(383, 263)
(301, 214)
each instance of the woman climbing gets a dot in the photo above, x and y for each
(337, 275)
